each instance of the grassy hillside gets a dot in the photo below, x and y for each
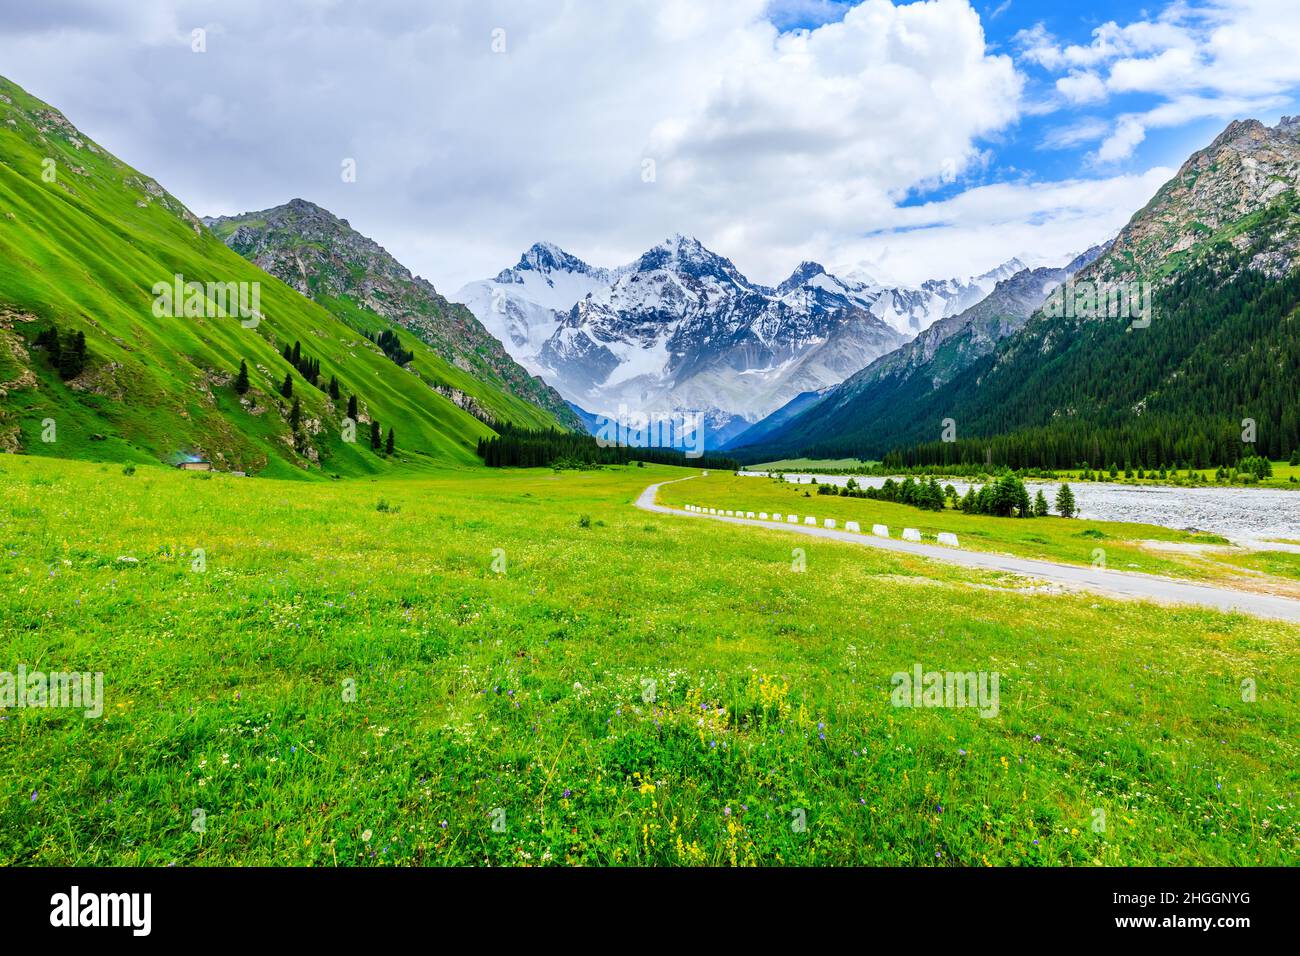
(628, 688)
(84, 251)
(353, 277)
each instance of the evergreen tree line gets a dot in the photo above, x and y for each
(66, 352)
(392, 346)
(308, 367)
(525, 448)
(1005, 497)
(919, 494)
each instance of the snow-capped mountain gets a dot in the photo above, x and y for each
(682, 330)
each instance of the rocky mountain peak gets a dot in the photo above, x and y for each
(805, 271)
(1246, 168)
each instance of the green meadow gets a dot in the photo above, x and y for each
(1123, 546)
(508, 667)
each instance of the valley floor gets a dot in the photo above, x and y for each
(520, 667)
(1098, 580)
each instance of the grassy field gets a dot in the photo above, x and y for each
(1284, 475)
(1124, 546)
(811, 464)
(610, 687)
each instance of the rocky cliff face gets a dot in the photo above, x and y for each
(1214, 194)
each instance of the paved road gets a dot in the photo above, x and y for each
(1111, 583)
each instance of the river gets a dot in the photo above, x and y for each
(1240, 514)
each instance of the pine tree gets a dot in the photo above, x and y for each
(72, 358)
(241, 380)
(376, 435)
(388, 449)
(288, 353)
(352, 407)
(1065, 502)
(297, 355)
(334, 388)
(295, 415)
(49, 340)
(1040, 504)
(287, 388)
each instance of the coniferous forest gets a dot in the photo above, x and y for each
(516, 447)
(1218, 356)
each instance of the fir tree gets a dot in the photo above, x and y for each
(241, 380)
(334, 388)
(286, 389)
(1065, 502)
(1040, 504)
(72, 358)
(352, 407)
(388, 448)
(295, 415)
(376, 436)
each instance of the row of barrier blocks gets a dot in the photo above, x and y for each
(879, 530)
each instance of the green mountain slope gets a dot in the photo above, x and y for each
(900, 396)
(325, 259)
(1219, 245)
(84, 239)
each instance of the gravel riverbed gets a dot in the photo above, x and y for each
(1240, 514)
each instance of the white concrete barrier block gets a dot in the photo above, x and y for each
(852, 526)
(948, 538)
(713, 511)
(911, 534)
(749, 514)
(829, 523)
(777, 516)
(810, 520)
(730, 514)
(880, 530)
(791, 519)
(762, 516)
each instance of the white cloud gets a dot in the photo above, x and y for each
(1129, 132)
(1039, 222)
(1131, 128)
(1082, 87)
(1220, 58)
(1166, 72)
(768, 140)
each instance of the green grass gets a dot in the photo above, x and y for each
(1070, 540)
(811, 464)
(526, 691)
(1283, 473)
(84, 252)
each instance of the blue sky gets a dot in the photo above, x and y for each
(1027, 150)
(905, 141)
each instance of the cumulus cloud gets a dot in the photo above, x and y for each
(1041, 223)
(1220, 58)
(1083, 86)
(480, 126)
